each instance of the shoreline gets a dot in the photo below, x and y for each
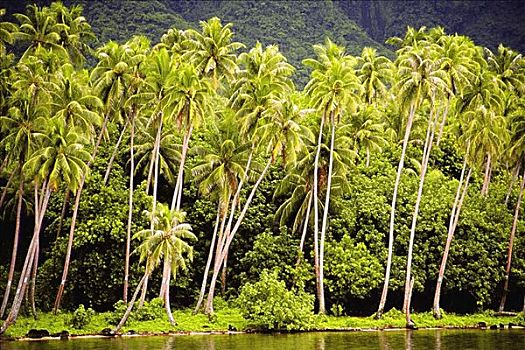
(210, 333)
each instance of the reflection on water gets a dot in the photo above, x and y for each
(383, 340)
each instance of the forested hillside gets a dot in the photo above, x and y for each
(194, 171)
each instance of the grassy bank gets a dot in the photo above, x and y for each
(231, 319)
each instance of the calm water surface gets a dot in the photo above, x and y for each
(387, 340)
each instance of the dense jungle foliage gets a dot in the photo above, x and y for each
(193, 168)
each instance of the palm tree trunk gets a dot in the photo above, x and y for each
(4, 192)
(28, 263)
(165, 279)
(454, 218)
(511, 243)
(322, 308)
(60, 292)
(305, 230)
(115, 150)
(223, 275)
(155, 188)
(443, 120)
(177, 195)
(144, 292)
(32, 283)
(167, 304)
(426, 155)
(130, 209)
(176, 200)
(382, 302)
(15, 249)
(486, 178)
(130, 305)
(63, 212)
(316, 212)
(210, 258)
(511, 185)
(229, 237)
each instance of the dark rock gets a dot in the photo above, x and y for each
(482, 324)
(131, 332)
(501, 326)
(64, 335)
(494, 326)
(511, 325)
(107, 332)
(37, 333)
(232, 328)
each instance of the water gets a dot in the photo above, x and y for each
(386, 340)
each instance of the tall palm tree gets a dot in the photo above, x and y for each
(417, 77)
(334, 89)
(212, 51)
(61, 158)
(375, 73)
(518, 151)
(218, 175)
(167, 244)
(108, 78)
(263, 78)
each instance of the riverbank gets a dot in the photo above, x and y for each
(231, 321)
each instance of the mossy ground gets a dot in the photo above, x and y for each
(231, 318)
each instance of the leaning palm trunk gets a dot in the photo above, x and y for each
(177, 199)
(60, 292)
(130, 211)
(316, 214)
(210, 258)
(228, 237)
(512, 181)
(167, 304)
(426, 155)
(63, 212)
(131, 303)
(114, 154)
(454, 218)
(4, 192)
(15, 249)
(511, 243)
(28, 262)
(223, 232)
(486, 177)
(322, 308)
(443, 119)
(32, 283)
(305, 230)
(388, 267)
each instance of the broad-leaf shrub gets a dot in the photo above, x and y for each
(270, 305)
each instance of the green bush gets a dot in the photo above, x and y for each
(270, 305)
(151, 310)
(81, 317)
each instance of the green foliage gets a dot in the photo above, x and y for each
(350, 270)
(81, 317)
(270, 305)
(151, 310)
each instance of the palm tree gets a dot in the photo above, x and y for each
(375, 73)
(109, 82)
(368, 131)
(167, 244)
(264, 78)
(518, 151)
(333, 88)
(218, 175)
(6, 34)
(213, 52)
(40, 28)
(61, 158)
(418, 76)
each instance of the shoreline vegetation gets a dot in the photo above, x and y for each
(196, 171)
(230, 321)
